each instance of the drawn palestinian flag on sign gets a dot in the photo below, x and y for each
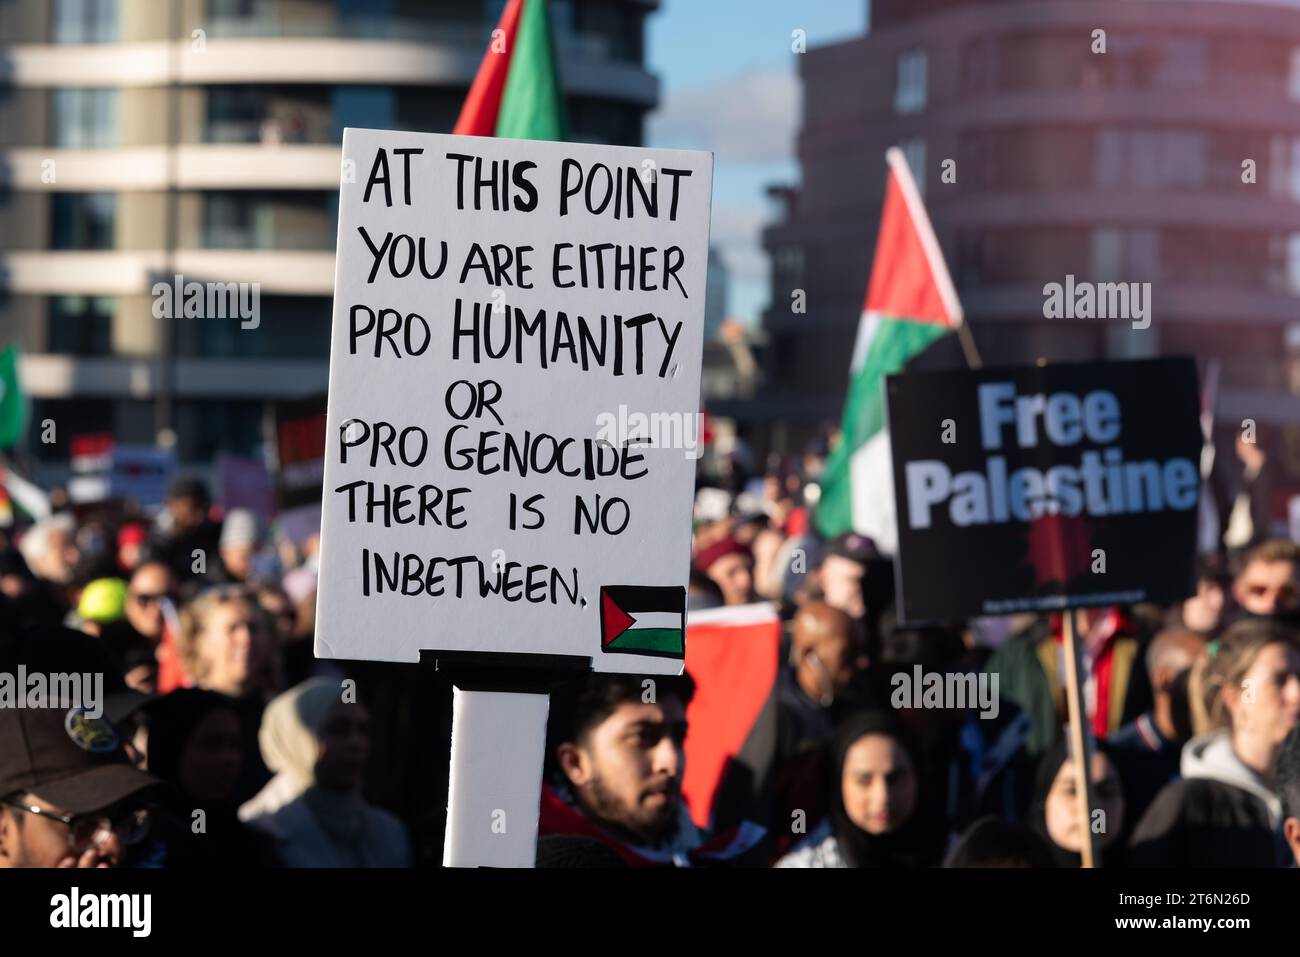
(643, 620)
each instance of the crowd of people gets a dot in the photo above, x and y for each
(223, 741)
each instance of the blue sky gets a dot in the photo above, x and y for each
(729, 83)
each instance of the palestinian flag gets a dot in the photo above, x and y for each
(517, 92)
(17, 491)
(910, 303)
(643, 620)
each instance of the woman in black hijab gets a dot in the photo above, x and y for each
(1054, 816)
(195, 745)
(878, 817)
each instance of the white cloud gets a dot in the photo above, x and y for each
(748, 118)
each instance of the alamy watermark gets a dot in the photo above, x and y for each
(955, 690)
(1098, 300)
(62, 690)
(653, 430)
(208, 300)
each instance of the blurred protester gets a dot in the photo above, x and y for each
(1031, 674)
(292, 635)
(1268, 584)
(1208, 611)
(133, 639)
(797, 561)
(185, 532)
(96, 556)
(29, 601)
(781, 765)
(729, 565)
(321, 742)
(971, 757)
(1054, 813)
(702, 592)
(1147, 750)
(1225, 811)
(241, 537)
(615, 763)
(994, 842)
(1243, 493)
(225, 645)
(69, 795)
(195, 744)
(49, 548)
(828, 657)
(876, 812)
(132, 539)
(840, 577)
(766, 549)
(1288, 788)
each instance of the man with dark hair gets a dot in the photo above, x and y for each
(616, 758)
(1268, 583)
(185, 530)
(1288, 789)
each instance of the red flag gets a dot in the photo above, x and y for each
(732, 655)
(478, 116)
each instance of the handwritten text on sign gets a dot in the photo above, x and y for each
(497, 305)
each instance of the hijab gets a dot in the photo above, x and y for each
(291, 726)
(1049, 766)
(907, 846)
(224, 842)
(172, 721)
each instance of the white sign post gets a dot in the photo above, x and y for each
(513, 427)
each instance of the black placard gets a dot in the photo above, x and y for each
(1029, 489)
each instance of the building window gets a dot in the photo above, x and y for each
(1151, 159)
(83, 220)
(910, 88)
(81, 325)
(787, 271)
(84, 21)
(252, 219)
(914, 153)
(84, 118)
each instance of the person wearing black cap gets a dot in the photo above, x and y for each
(69, 794)
(840, 578)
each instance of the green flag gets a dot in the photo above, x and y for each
(13, 405)
(532, 106)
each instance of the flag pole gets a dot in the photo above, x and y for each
(968, 346)
(1078, 736)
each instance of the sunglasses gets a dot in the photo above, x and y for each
(148, 598)
(131, 823)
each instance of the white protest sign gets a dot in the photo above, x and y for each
(514, 399)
